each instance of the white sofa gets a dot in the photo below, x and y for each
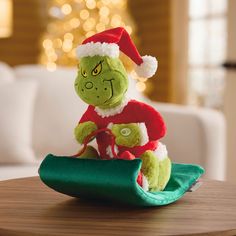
(194, 135)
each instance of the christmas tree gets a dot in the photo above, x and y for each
(71, 21)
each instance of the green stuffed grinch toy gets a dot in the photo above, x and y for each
(130, 164)
(136, 128)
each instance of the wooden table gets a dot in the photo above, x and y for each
(27, 207)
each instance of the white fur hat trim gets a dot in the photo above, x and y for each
(101, 49)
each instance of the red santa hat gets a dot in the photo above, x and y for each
(110, 42)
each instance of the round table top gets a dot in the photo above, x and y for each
(28, 207)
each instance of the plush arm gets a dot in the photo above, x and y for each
(85, 127)
(154, 123)
(147, 125)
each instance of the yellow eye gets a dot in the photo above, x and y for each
(83, 73)
(97, 69)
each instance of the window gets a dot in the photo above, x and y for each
(207, 51)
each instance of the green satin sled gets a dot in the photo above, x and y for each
(113, 180)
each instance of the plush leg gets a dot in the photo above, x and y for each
(90, 153)
(150, 169)
(164, 173)
(156, 171)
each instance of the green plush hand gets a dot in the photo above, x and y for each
(84, 129)
(128, 135)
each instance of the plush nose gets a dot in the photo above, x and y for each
(88, 85)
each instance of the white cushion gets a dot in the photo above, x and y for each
(16, 106)
(6, 73)
(57, 111)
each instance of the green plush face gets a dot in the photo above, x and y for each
(101, 81)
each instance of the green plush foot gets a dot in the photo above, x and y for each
(156, 171)
(150, 169)
(90, 153)
(164, 173)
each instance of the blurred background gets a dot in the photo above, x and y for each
(189, 38)
(193, 40)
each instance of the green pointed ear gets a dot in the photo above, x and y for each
(102, 81)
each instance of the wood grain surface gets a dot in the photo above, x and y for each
(28, 207)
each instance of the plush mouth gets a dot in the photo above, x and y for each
(110, 80)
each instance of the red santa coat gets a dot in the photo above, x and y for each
(128, 112)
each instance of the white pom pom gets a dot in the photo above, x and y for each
(148, 68)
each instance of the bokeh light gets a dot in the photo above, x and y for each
(71, 21)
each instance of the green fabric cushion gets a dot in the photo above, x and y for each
(113, 180)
